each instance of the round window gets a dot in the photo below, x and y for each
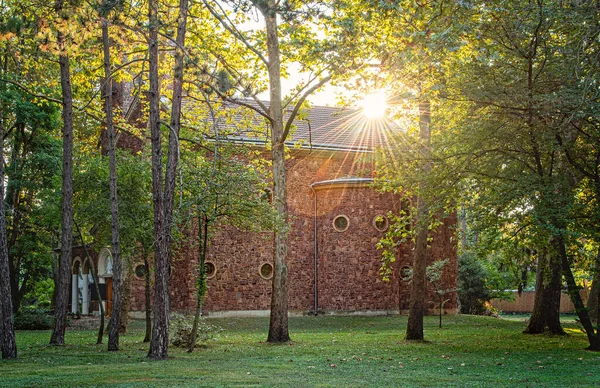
(406, 273)
(341, 223)
(209, 269)
(140, 271)
(266, 271)
(380, 223)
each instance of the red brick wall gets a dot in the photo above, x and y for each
(348, 262)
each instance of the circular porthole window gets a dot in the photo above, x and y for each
(210, 270)
(341, 223)
(380, 223)
(406, 273)
(140, 271)
(266, 271)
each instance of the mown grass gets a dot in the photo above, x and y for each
(325, 352)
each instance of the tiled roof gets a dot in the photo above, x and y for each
(318, 127)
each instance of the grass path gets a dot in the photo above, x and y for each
(325, 352)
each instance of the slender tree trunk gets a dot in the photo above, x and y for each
(573, 289)
(545, 317)
(163, 208)
(201, 283)
(117, 290)
(175, 124)
(8, 342)
(148, 334)
(159, 343)
(125, 298)
(593, 303)
(416, 309)
(96, 284)
(278, 324)
(62, 296)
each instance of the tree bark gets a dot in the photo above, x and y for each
(573, 289)
(8, 342)
(545, 317)
(96, 285)
(201, 283)
(593, 303)
(148, 334)
(278, 323)
(159, 343)
(416, 309)
(117, 291)
(125, 298)
(175, 124)
(62, 296)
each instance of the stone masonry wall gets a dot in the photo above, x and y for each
(348, 262)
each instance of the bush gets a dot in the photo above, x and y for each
(33, 319)
(181, 330)
(472, 288)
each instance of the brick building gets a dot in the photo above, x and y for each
(336, 219)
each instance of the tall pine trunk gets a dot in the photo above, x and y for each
(163, 203)
(64, 267)
(175, 123)
(159, 343)
(96, 284)
(416, 309)
(278, 324)
(545, 317)
(117, 290)
(148, 303)
(8, 344)
(201, 282)
(125, 297)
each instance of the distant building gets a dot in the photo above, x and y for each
(336, 218)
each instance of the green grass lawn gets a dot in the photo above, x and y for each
(325, 352)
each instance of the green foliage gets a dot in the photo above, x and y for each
(41, 293)
(92, 200)
(180, 329)
(33, 158)
(399, 232)
(33, 319)
(435, 272)
(473, 290)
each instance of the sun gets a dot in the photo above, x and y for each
(374, 105)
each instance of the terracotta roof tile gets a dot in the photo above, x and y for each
(318, 127)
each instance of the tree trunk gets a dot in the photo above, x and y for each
(201, 283)
(8, 342)
(148, 334)
(159, 343)
(175, 124)
(593, 303)
(416, 309)
(62, 296)
(125, 298)
(117, 290)
(278, 324)
(96, 284)
(545, 317)
(163, 208)
(573, 289)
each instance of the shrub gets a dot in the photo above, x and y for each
(33, 319)
(472, 288)
(181, 330)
